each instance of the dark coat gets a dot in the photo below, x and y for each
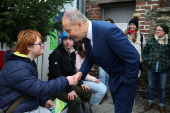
(20, 77)
(62, 64)
(113, 52)
(154, 52)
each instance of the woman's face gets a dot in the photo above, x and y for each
(132, 27)
(83, 47)
(159, 32)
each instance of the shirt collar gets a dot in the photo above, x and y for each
(21, 55)
(89, 33)
(71, 51)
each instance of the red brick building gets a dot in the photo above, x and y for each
(152, 12)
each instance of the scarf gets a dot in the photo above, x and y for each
(131, 32)
(163, 40)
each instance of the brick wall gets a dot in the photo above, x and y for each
(145, 26)
(142, 6)
(151, 15)
(93, 11)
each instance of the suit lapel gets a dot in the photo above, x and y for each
(88, 49)
(96, 42)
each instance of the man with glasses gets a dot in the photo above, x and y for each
(62, 63)
(19, 78)
(156, 55)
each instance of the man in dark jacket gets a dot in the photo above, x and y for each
(62, 63)
(20, 77)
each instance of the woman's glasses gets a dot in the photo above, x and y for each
(39, 44)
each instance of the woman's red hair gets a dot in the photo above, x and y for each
(26, 38)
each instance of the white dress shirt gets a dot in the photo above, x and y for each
(89, 33)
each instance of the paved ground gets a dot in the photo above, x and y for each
(108, 107)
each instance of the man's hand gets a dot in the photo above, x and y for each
(85, 87)
(77, 77)
(49, 103)
(71, 80)
(71, 95)
(97, 81)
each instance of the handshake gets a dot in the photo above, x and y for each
(73, 80)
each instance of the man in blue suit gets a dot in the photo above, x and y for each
(106, 46)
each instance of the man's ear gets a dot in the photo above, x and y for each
(79, 24)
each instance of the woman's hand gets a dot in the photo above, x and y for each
(49, 103)
(85, 87)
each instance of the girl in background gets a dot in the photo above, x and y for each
(134, 36)
(98, 88)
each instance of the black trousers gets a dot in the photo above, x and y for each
(73, 105)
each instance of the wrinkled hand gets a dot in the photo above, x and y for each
(49, 103)
(85, 87)
(71, 80)
(71, 95)
(77, 77)
(97, 81)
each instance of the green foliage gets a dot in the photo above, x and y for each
(17, 15)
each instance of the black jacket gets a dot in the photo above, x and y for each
(62, 64)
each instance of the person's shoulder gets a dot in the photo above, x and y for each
(168, 37)
(18, 62)
(151, 40)
(15, 66)
(78, 56)
(57, 51)
(103, 26)
(102, 23)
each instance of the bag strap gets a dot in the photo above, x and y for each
(15, 104)
(141, 40)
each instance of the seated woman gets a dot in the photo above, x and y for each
(19, 83)
(98, 88)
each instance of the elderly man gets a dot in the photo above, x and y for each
(106, 46)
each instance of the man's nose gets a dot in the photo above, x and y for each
(68, 35)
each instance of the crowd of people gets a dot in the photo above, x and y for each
(85, 43)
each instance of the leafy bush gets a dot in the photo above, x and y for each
(17, 15)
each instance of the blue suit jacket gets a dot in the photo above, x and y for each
(113, 52)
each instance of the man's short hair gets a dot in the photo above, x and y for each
(26, 38)
(74, 16)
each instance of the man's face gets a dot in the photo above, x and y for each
(68, 43)
(72, 31)
(37, 48)
(159, 32)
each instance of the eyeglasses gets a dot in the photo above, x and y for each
(39, 44)
(158, 30)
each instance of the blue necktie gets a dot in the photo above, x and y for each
(89, 49)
